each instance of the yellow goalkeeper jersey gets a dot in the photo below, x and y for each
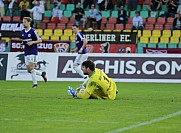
(99, 86)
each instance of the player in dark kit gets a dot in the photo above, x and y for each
(30, 39)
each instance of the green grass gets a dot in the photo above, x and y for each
(48, 109)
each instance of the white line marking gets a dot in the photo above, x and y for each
(145, 123)
(51, 120)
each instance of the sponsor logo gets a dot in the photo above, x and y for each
(20, 68)
(61, 47)
(129, 67)
(11, 27)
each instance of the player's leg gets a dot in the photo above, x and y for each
(78, 61)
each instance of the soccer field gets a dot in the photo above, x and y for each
(139, 108)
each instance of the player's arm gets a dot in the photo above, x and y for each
(84, 45)
(39, 40)
(74, 50)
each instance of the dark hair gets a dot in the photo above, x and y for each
(137, 12)
(75, 26)
(89, 64)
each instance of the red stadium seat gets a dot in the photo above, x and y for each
(109, 26)
(55, 20)
(148, 26)
(170, 20)
(128, 26)
(160, 20)
(43, 25)
(119, 27)
(72, 20)
(69, 26)
(112, 20)
(46, 19)
(51, 25)
(61, 26)
(7, 19)
(104, 20)
(64, 20)
(168, 26)
(158, 27)
(130, 20)
(151, 21)
(16, 19)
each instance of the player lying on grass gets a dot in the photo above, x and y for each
(99, 85)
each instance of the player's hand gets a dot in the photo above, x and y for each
(30, 43)
(80, 51)
(71, 91)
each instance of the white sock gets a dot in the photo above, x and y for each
(79, 71)
(33, 75)
(38, 72)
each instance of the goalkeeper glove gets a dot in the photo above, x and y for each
(71, 91)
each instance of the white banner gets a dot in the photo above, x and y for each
(121, 67)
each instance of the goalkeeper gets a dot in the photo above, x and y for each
(99, 85)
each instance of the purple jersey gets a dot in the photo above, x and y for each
(79, 42)
(27, 36)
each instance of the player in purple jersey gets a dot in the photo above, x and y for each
(80, 48)
(30, 39)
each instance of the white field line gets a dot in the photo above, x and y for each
(54, 120)
(145, 123)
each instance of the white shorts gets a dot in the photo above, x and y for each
(30, 59)
(80, 58)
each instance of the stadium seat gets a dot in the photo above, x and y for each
(132, 14)
(72, 38)
(128, 27)
(48, 32)
(72, 20)
(64, 20)
(151, 45)
(151, 21)
(146, 33)
(161, 13)
(168, 26)
(16, 19)
(114, 14)
(176, 33)
(145, 8)
(162, 45)
(166, 33)
(51, 25)
(55, 20)
(64, 38)
(130, 20)
(144, 14)
(48, 13)
(160, 20)
(6, 18)
(112, 20)
(54, 37)
(140, 47)
(61, 26)
(44, 37)
(69, 26)
(156, 33)
(153, 39)
(62, 7)
(46, 19)
(104, 20)
(67, 32)
(158, 27)
(43, 25)
(105, 14)
(138, 8)
(170, 20)
(148, 26)
(179, 45)
(67, 13)
(139, 33)
(119, 27)
(164, 40)
(58, 32)
(70, 7)
(7, 39)
(172, 45)
(109, 26)
(144, 40)
(40, 32)
(174, 39)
